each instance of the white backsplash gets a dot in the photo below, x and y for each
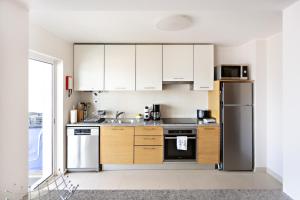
(176, 100)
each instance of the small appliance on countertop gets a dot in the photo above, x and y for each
(155, 114)
(204, 117)
(202, 114)
(146, 113)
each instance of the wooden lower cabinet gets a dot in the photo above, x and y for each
(148, 143)
(148, 130)
(148, 154)
(208, 145)
(116, 145)
(148, 140)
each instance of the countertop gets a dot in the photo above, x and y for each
(134, 122)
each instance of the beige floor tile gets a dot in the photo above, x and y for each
(174, 179)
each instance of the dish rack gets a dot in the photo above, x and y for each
(59, 187)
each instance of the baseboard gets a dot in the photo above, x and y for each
(166, 166)
(274, 175)
(270, 172)
(260, 169)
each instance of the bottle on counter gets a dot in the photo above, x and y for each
(73, 115)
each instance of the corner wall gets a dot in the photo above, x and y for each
(48, 44)
(291, 100)
(274, 106)
(13, 99)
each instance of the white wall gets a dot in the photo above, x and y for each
(291, 99)
(176, 101)
(13, 99)
(46, 43)
(274, 104)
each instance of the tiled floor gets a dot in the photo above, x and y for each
(174, 179)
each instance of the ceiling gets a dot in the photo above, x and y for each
(224, 22)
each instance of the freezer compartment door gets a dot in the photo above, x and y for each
(237, 138)
(237, 93)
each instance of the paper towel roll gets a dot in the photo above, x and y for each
(73, 116)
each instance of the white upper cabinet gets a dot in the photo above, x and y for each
(148, 67)
(178, 63)
(203, 67)
(120, 67)
(88, 67)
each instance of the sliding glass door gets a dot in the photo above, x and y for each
(41, 120)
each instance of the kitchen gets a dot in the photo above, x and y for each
(154, 137)
(150, 99)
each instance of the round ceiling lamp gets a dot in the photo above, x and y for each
(175, 23)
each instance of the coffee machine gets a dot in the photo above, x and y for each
(155, 114)
(146, 113)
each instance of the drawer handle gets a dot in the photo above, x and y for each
(149, 129)
(178, 78)
(204, 87)
(149, 148)
(149, 138)
(117, 129)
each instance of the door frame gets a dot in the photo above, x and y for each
(49, 60)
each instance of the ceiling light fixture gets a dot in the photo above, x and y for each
(175, 23)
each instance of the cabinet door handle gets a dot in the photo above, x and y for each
(149, 88)
(209, 128)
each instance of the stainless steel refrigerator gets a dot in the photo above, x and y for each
(237, 126)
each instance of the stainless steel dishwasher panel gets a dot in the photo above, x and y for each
(83, 149)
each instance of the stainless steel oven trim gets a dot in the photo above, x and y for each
(174, 138)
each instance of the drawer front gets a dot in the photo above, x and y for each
(148, 130)
(148, 140)
(148, 154)
(117, 130)
(208, 129)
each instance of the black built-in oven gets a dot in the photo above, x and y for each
(171, 153)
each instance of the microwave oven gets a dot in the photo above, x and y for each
(231, 72)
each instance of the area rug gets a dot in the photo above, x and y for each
(180, 195)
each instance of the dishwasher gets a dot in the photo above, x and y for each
(83, 148)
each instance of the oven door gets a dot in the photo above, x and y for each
(171, 152)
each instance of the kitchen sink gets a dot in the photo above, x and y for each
(121, 121)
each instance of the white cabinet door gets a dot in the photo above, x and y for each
(148, 67)
(120, 67)
(178, 63)
(203, 67)
(88, 67)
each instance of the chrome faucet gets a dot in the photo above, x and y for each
(118, 114)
